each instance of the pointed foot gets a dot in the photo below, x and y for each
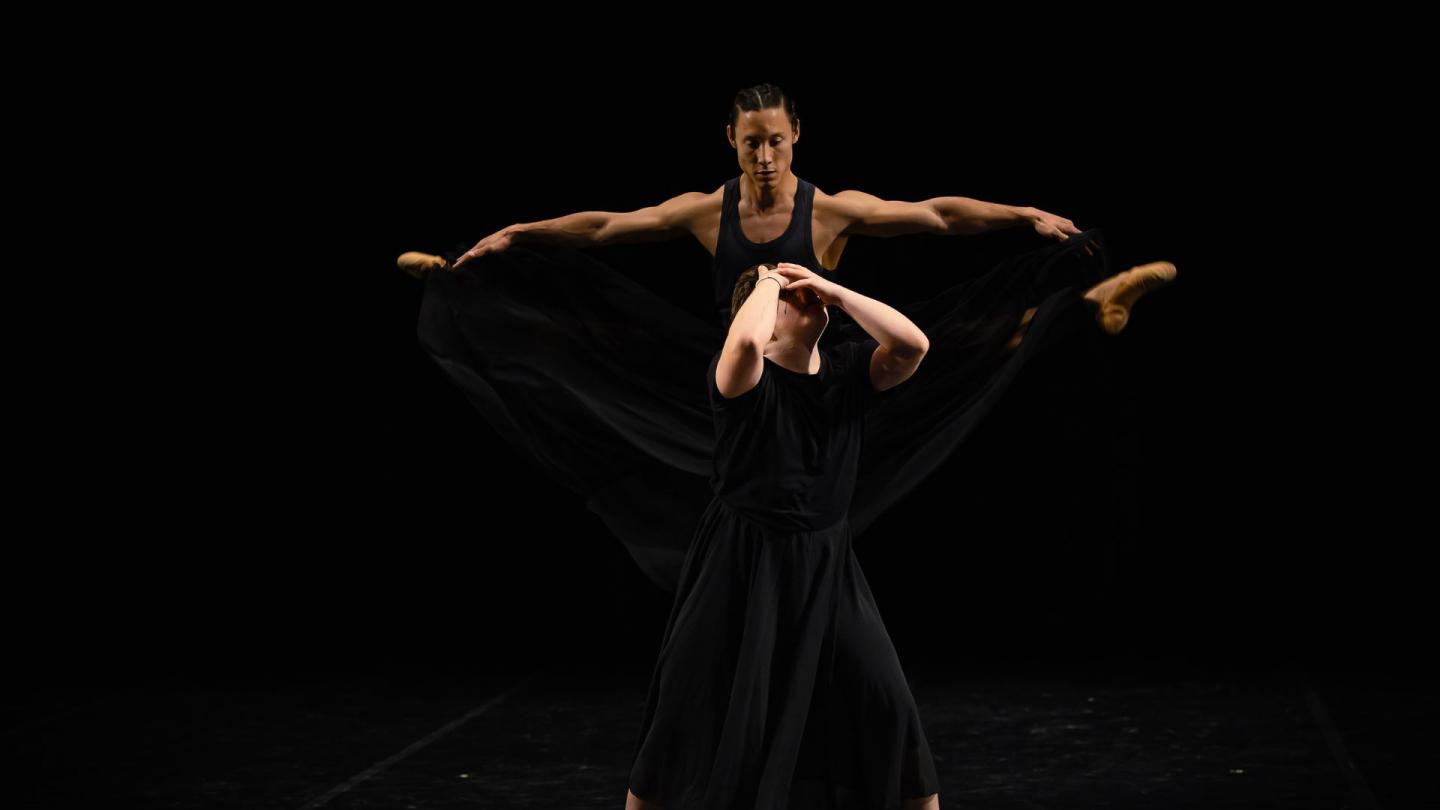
(1116, 296)
(417, 264)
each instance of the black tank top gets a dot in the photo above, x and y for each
(787, 451)
(734, 251)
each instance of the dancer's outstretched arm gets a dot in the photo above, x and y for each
(668, 220)
(868, 215)
(902, 344)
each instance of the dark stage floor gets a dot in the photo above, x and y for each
(1128, 735)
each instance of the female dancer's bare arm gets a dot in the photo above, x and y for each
(902, 344)
(742, 360)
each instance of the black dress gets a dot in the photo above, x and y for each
(600, 383)
(777, 685)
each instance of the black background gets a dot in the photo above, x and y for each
(257, 471)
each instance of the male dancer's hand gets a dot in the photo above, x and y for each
(802, 281)
(1055, 227)
(494, 243)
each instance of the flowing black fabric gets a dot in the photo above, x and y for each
(601, 383)
(777, 685)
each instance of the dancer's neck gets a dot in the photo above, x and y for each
(795, 355)
(764, 198)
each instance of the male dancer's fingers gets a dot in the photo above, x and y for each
(466, 257)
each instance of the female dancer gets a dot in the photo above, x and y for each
(777, 684)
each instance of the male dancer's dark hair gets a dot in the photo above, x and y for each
(762, 97)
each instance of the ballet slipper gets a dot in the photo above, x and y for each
(419, 264)
(1114, 309)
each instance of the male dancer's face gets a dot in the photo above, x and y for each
(763, 142)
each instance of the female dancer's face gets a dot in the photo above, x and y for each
(800, 315)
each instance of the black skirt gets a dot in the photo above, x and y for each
(777, 685)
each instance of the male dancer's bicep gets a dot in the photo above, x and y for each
(657, 223)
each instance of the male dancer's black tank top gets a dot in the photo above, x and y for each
(734, 251)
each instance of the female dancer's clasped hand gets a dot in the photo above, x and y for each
(806, 285)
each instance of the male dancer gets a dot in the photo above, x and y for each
(764, 131)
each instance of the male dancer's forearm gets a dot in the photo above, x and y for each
(967, 216)
(580, 229)
(885, 323)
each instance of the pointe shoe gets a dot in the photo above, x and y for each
(1114, 311)
(417, 264)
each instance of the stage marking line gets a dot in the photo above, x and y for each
(1336, 743)
(413, 747)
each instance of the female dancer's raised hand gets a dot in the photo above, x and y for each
(803, 281)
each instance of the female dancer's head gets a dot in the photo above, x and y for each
(763, 128)
(799, 315)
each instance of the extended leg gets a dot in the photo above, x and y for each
(1020, 331)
